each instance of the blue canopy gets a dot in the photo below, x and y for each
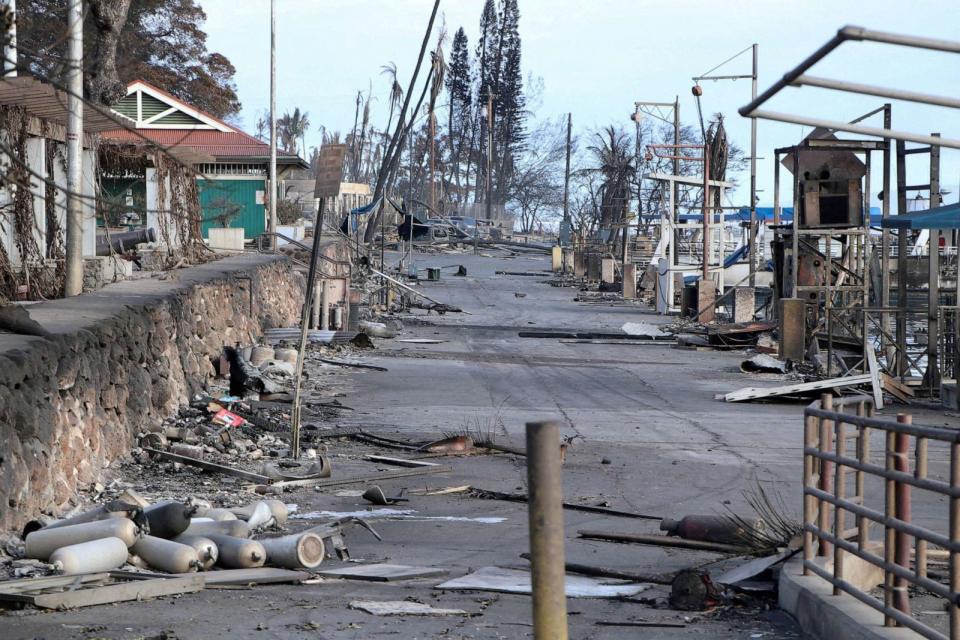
(945, 217)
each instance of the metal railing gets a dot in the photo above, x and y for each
(830, 431)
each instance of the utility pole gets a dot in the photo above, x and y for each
(73, 280)
(752, 76)
(273, 132)
(566, 181)
(10, 50)
(476, 230)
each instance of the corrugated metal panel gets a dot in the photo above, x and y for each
(217, 196)
(229, 144)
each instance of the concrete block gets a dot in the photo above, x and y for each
(579, 264)
(629, 281)
(824, 616)
(607, 270)
(743, 304)
(793, 329)
(706, 296)
(226, 239)
(567, 260)
(556, 259)
(593, 267)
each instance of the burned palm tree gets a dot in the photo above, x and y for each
(615, 165)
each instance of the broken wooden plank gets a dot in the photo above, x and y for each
(663, 541)
(209, 466)
(754, 393)
(891, 385)
(401, 462)
(339, 482)
(228, 577)
(122, 591)
(48, 582)
(382, 572)
(873, 368)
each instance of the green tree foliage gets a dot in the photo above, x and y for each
(161, 42)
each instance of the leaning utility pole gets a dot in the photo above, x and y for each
(73, 280)
(476, 222)
(273, 131)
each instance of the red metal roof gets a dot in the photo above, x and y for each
(219, 144)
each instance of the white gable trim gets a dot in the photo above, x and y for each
(175, 105)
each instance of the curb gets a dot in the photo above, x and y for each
(824, 616)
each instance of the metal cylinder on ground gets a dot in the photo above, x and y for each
(238, 553)
(206, 549)
(40, 544)
(94, 556)
(324, 306)
(167, 555)
(298, 551)
(260, 354)
(546, 531)
(338, 318)
(286, 355)
(97, 513)
(234, 528)
(220, 514)
(277, 508)
(715, 528)
(315, 308)
(169, 519)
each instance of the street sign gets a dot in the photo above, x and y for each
(329, 171)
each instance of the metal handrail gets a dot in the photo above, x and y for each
(826, 504)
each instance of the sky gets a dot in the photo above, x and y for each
(597, 57)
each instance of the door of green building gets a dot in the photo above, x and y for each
(236, 199)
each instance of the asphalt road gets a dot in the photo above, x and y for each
(651, 439)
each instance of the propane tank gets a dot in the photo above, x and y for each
(234, 528)
(205, 547)
(723, 529)
(298, 551)
(202, 506)
(169, 519)
(97, 513)
(40, 544)
(260, 354)
(94, 556)
(237, 553)
(220, 514)
(286, 355)
(167, 555)
(277, 509)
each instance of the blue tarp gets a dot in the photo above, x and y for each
(945, 217)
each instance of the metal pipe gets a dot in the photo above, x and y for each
(810, 507)
(904, 512)
(889, 533)
(839, 125)
(882, 92)
(920, 474)
(73, 279)
(955, 535)
(273, 126)
(706, 211)
(826, 432)
(839, 515)
(546, 531)
(753, 176)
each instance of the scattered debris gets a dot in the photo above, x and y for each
(375, 495)
(382, 572)
(692, 590)
(518, 581)
(709, 528)
(453, 444)
(756, 393)
(663, 541)
(71, 592)
(763, 363)
(403, 608)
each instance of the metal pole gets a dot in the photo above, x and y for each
(706, 212)
(932, 375)
(10, 50)
(903, 512)
(546, 531)
(273, 129)
(308, 298)
(73, 280)
(675, 209)
(753, 178)
(903, 363)
(885, 238)
(476, 230)
(566, 174)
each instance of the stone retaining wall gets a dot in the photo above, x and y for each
(120, 359)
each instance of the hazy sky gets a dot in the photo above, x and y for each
(597, 57)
